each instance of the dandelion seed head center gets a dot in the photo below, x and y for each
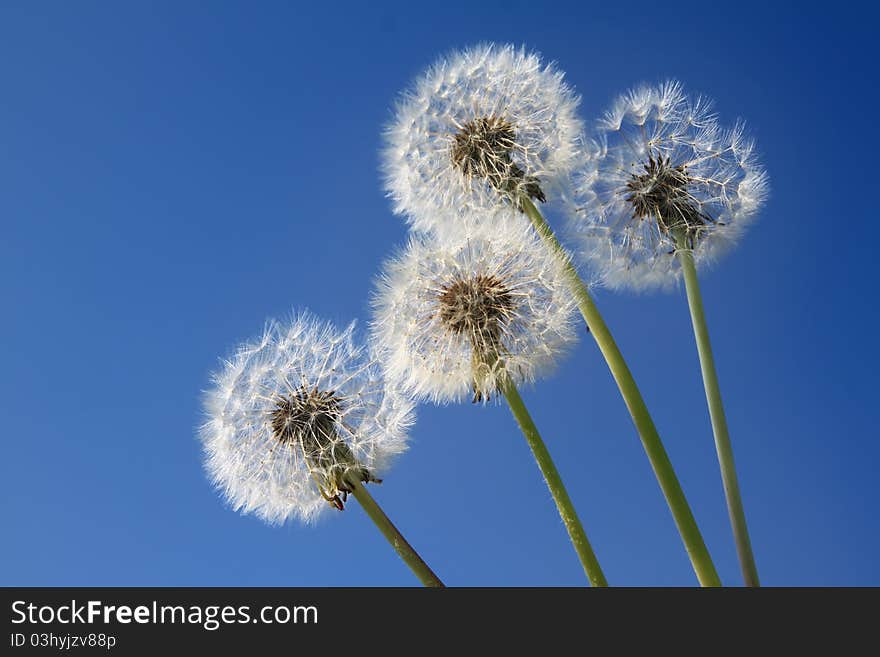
(483, 145)
(661, 193)
(477, 307)
(307, 416)
(483, 148)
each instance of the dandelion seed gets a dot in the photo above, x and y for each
(296, 416)
(661, 167)
(453, 314)
(482, 128)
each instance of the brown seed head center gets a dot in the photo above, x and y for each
(309, 418)
(306, 416)
(661, 193)
(477, 307)
(483, 148)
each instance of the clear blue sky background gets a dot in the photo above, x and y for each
(171, 174)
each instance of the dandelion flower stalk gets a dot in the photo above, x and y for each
(301, 418)
(395, 538)
(473, 313)
(554, 482)
(717, 416)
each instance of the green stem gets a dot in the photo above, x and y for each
(669, 484)
(716, 413)
(390, 532)
(554, 483)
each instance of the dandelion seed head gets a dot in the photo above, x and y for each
(481, 128)
(297, 414)
(661, 167)
(455, 313)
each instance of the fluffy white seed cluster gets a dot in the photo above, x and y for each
(296, 412)
(479, 128)
(660, 166)
(454, 313)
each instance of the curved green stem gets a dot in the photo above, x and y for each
(716, 414)
(390, 532)
(554, 483)
(669, 484)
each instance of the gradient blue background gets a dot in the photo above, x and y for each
(171, 175)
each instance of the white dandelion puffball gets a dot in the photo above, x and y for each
(294, 415)
(477, 130)
(662, 174)
(454, 314)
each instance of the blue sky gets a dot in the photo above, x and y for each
(171, 175)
